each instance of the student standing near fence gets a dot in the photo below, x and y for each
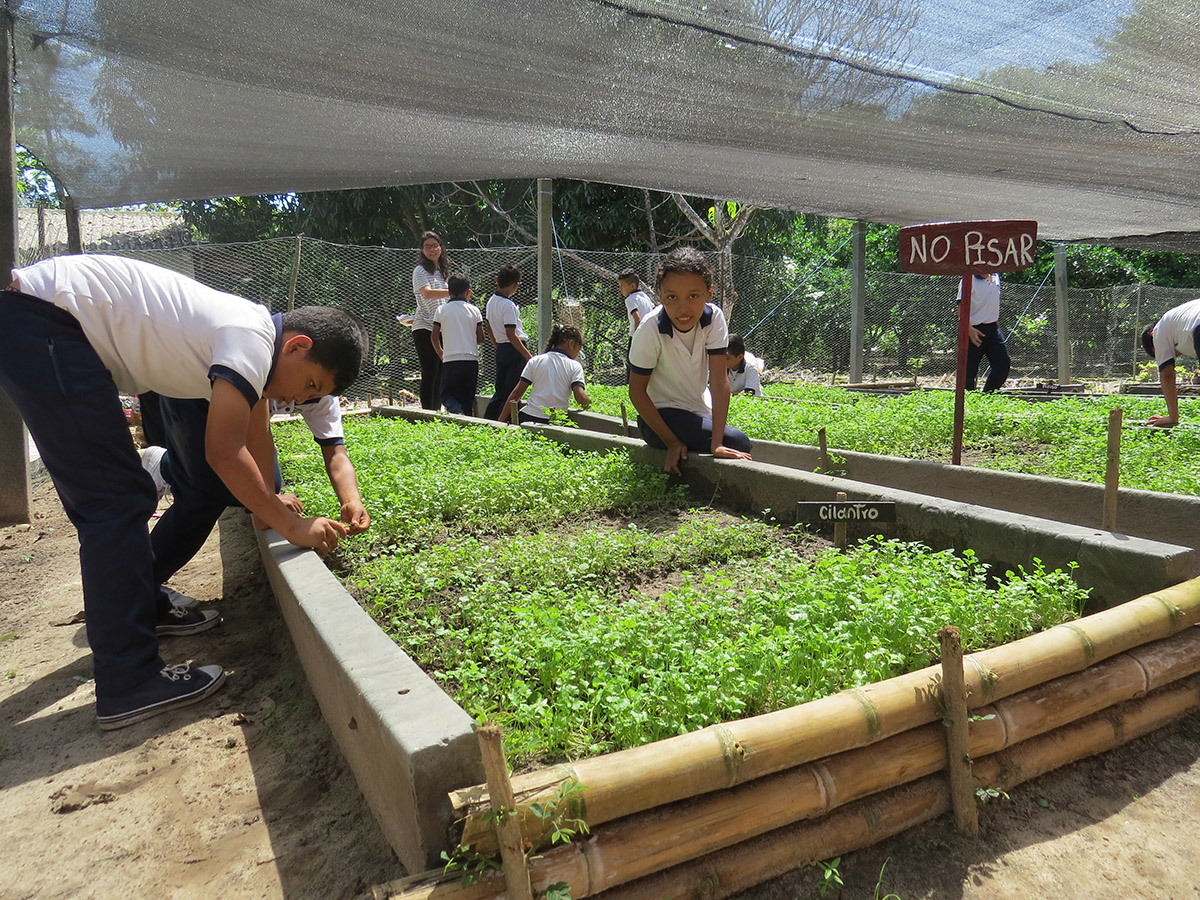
(457, 333)
(429, 290)
(985, 333)
(1176, 334)
(638, 303)
(504, 326)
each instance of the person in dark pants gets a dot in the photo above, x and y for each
(429, 290)
(75, 332)
(504, 327)
(457, 333)
(985, 334)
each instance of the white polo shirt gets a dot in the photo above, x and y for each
(426, 308)
(747, 376)
(460, 337)
(323, 416)
(553, 375)
(501, 312)
(640, 301)
(1176, 333)
(157, 330)
(678, 363)
(985, 299)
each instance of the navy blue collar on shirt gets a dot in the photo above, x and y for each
(558, 350)
(664, 321)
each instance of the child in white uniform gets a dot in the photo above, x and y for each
(1176, 334)
(457, 333)
(555, 376)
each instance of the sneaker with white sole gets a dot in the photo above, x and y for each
(183, 601)
(152, 462)
(180, 620)
(173, 687)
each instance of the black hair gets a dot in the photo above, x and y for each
(458, 285)
(629, 277)
(1148, 339)
(560, 334)
(340, 342)
(683, 259)
(507, 276)
(443, 263)
(737, 347)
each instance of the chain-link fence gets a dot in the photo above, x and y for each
(798, 321)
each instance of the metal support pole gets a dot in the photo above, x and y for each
(858, 294)
(1062, 321)
(545, 259)
(14, 467)
(295, 274)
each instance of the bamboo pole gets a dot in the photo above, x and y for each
(508, 831)
(721, 756)
(1112, 471)
(954, 696)
(839, 528)
(589, 868)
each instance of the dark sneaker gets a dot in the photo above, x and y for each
(173, 687)
(181, 620)
(183, 601)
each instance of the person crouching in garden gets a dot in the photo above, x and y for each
(555, 377)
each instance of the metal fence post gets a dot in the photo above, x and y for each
(545, 259)
(858, 294)
(1062, 322)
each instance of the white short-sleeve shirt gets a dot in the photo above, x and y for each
(1176, 333)
(323, 416)
(426, 308)
(552, 375)
(747, 376)
(640, 301)
(501, 312)
(678, 373)
(985, 299)
(460, 337)
(158, 330)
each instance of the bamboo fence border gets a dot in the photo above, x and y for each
(697, 815)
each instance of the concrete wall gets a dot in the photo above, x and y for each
(407, 742)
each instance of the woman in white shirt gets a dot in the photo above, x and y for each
(429, 290)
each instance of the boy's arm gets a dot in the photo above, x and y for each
(640, 397)
(344, 479)
(581, 396)
(511, 331)
(1170, 393)
(637, 318)
(227, 441)
(491, 334)
(718, 386)
(479, 332)
(437, 339)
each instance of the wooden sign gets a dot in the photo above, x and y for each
(844, 512)
(968, 248)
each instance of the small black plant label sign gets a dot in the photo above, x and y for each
(837, 512)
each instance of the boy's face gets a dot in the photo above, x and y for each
(683, 295)
(627, 287)
(297, 378)
(732, 362)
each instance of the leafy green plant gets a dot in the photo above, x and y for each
(831, 878)
(879, 885)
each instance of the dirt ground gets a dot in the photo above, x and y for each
(246, 795)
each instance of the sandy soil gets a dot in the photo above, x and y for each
(246, 796)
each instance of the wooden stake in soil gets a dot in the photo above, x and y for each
(508, 826)
(512, 413)
(824, 449)
(954, 696)
(624, 420)
(1112, 472)
(839, 528)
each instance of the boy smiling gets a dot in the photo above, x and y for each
(75, 331)
(677, 351)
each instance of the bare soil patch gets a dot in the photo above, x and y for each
(246, 796)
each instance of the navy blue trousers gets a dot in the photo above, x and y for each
(694, 430)
(509, 366)
(200, 496)
(431, 368)
(460, 381)
(994, 349)
(72, 408)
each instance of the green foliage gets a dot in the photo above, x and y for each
(1064, 438)
(831, 878)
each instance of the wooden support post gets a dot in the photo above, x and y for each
(839, 528)
(504, 805)
(513, 415)
(824, 460)
(954, 697)
(624, 420)
(1112, 471)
